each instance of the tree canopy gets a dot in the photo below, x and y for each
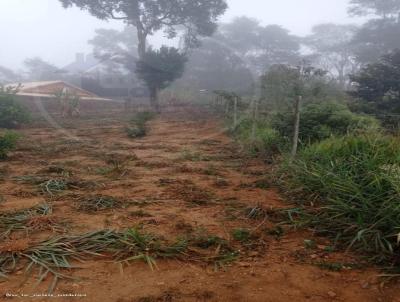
(214, 66)
(260, 46)
(40, 70)
(384, 8)
(159, 68)
(378, 84)
(194, 18)
(333, 49)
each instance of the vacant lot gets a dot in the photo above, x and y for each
(185, 182)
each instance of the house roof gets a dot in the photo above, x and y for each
(48, 89)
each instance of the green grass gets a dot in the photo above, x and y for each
(349, 189)
(264, 141)
(241, 235)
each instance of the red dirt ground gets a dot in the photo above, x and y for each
(186, 175)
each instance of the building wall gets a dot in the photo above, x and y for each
(40, 106)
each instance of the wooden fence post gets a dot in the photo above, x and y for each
(255, 119)
(296, 127)
(235, 112)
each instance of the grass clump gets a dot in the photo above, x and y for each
(355, 183)
(138, 124)
(190, 155)
(241, 235)
(8, 143)
(263, 140)
(97, 203)
(54, 186)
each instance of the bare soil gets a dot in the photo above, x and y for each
(186, 176)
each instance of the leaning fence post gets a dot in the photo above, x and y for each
(296, 127)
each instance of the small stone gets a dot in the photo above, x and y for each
(244, 264)
(365, 285)
(332, 294)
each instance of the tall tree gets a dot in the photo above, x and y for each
(40, 70)
(276, 46)
(214, 66)
(259, 46)
(383, 8)
(195, 18)
(379, 85)
(115, 49)
(7, 75)
(159, 68)
(376, 38)
(333, 50)
(110, 42)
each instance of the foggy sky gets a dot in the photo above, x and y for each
(43, 28)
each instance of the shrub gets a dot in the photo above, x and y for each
(138, 124)
(355, 180)
(7, 144)
(12, 115)
(322, 120)
(267, 141)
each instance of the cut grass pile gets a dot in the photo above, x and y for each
(51, 257)
(97, 203)
(54, 186)
(189, 192)
(353, 183)
(35, 218)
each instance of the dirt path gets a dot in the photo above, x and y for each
(184, 178)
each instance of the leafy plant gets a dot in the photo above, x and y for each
(8, 143)
(12, 115)
(322, 120)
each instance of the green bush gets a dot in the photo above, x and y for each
(355, 182)
(322, 120)
(266, 141)
(138, 123)
(7, 144)
(12, 115)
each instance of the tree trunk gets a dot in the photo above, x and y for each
(296, 128)
(142, 40)
(154, 99)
